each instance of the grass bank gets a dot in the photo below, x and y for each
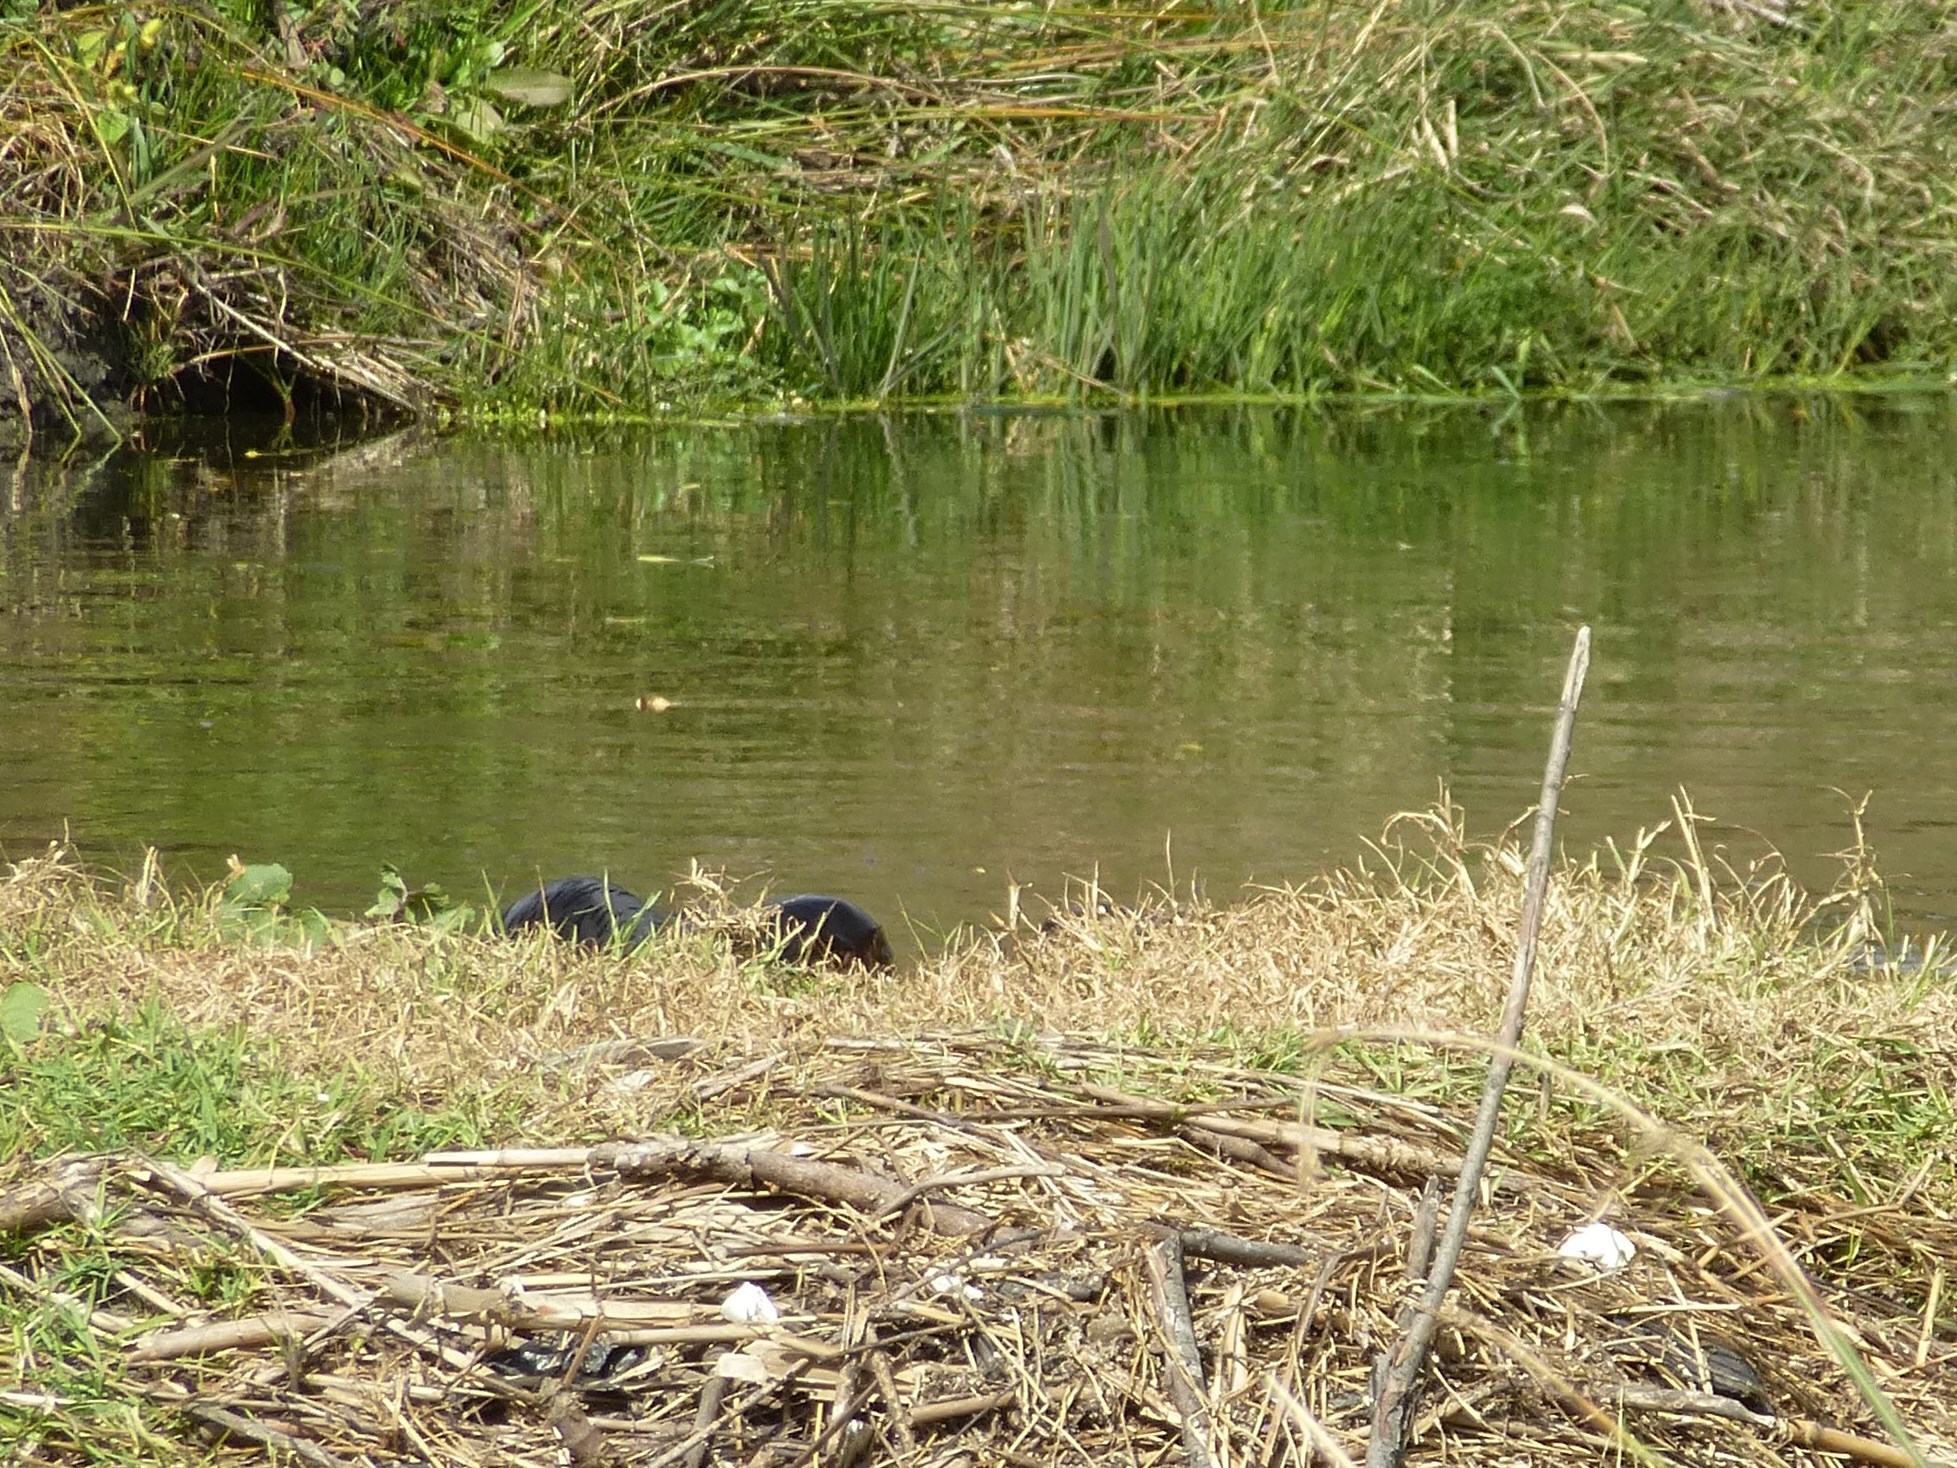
(1021, 1066)
(612, 211)
(1737, 1005)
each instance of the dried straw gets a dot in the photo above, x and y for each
(984, 1260)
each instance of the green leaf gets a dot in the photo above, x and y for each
(21, 1008)
(392, 897)
(458, 918)
(424, 906)
(475, 119)
(528, 86)
(267, 885)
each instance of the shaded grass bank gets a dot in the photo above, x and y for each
(621, 210)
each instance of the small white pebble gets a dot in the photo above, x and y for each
(749, 1305)
(1600, 1245)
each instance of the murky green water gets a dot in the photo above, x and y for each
(912, 660)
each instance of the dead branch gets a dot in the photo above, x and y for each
(232, 1423)
(70, 1191)
(1393, 1402)
(756, 1167)
(1182, 1362)
(227, 1335)
(1387, 1156)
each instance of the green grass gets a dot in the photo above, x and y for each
(145, 1081)
(142, 1080)
(626, 211)
(92, 1416)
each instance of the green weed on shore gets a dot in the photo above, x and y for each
(619, 210)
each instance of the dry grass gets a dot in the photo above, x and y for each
(1010, 1320)
(1729, 1004)
(1649, 963)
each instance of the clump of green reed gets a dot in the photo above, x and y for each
(184, 206)
(606, 211)
(1474, 196)
(1467, 197)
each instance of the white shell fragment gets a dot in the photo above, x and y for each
(951, 1284)
(749, 1305)
(1600, 1245)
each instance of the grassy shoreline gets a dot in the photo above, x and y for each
(1732, 1003)
(615, 214)
(1732, 1006)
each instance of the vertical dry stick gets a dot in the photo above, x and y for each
(711, 1396)
(1398, 1369)
(1182, 1362)
(1426, 1220)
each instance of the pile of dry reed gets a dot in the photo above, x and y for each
(983, 1251)
(958, 1248)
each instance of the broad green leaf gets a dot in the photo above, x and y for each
(529, 86)
(475, 119)
(267, 885)
(21, 1008)
(392, 896)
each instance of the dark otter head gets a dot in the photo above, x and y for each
(813, 929)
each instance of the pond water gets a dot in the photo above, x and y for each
(911, 660)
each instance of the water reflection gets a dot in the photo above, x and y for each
(908, 660)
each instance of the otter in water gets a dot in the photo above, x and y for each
(808, 929)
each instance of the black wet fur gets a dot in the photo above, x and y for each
(584, 910)
(809, 929)
(815, 929)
